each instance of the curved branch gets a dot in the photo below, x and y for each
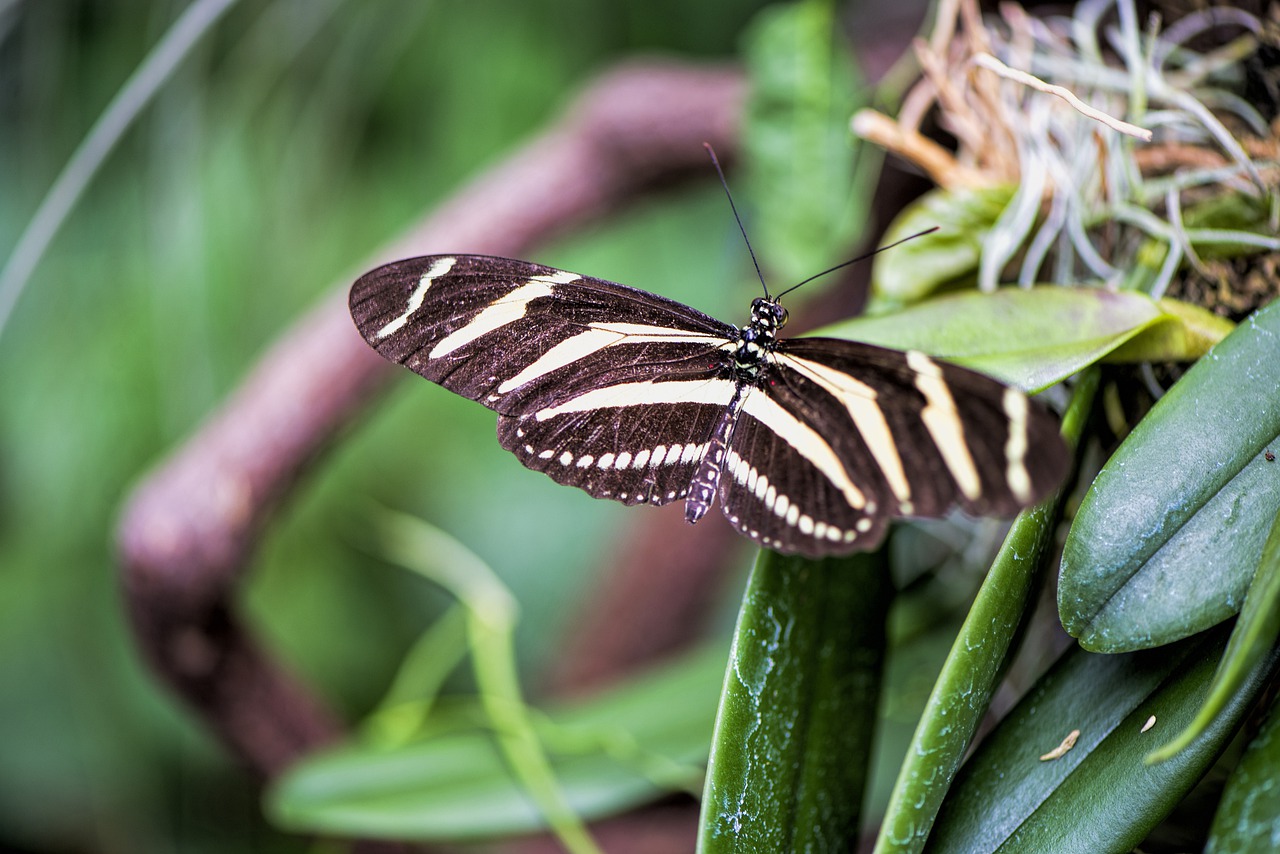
(190, 528)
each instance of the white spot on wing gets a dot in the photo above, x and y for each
(1015, 447)
(438, 269)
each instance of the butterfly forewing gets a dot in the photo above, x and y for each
(511, 334)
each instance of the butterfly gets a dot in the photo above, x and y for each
(809, 445)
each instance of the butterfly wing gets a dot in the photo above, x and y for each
(598, 385)
(849, 435)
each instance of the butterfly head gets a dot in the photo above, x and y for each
(757, 338)
(767, 316)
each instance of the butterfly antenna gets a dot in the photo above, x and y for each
(856, 260)
(715, 161)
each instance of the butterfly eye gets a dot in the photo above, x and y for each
(781, 314)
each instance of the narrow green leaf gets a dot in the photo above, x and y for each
(939, 260)
(1167, 539)
(807, 174)
(793, 735)
(491, 614)
(1248, 817)
(976, 662)
(1036, 337)
(1099, 796)
(616, 750)
(1253, 636)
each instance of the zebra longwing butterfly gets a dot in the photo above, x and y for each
(810, 444)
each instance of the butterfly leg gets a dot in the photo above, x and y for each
(705, 483)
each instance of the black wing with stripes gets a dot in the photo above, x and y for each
(574, 365)
(852, 435)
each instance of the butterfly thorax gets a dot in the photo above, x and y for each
(758, 338)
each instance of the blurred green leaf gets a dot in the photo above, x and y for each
(628, 745)
(491, 614)
(1035, 337)
(972, 672)
(1253, 636)
(1248, 816)
(1167, 539)
(1098, 796)
(809, 178)
(1184, 333)
(938, 260)
(793, 736)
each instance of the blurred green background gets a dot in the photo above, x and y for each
(298, 138)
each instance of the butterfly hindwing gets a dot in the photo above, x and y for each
(790, 484)
(631, 452)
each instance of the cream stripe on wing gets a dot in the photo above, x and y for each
(807, 443)
(716, 392)
(597, 337)
(860, 400)
(508, 309)
(438, 269)
(942, 420)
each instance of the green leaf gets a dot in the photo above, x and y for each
(809, 178)
(1248, 817)
(1098, 796)
(1167, 539)
(614, 751)
(939, 260)
(794, 732)
(976, 662)
(1036, 337)
(1185, 333)
(1253, 636)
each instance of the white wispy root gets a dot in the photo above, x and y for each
(988, 61)
(1139, 134)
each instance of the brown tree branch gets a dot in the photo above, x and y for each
(190, 527)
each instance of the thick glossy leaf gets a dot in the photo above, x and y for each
(976, 662)
(1099, 796)
(1033, 338)
(1167, 539)
(615, 751)
(808, 176)
(1253, 637)
(1248, 817)
(944, 258)
(793, 736)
